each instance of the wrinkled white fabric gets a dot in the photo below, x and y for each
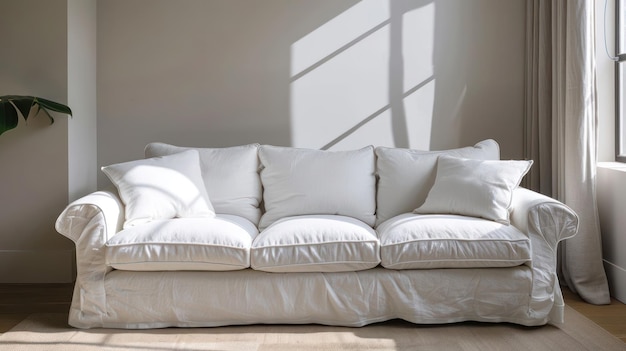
(406, 175)
(321, 243)
(477, 188)
(525, 294)
(161, 188)
(412, 241)
(303, 182)
(230, 175)
(212, 244)
(340, 298)
(547, 222)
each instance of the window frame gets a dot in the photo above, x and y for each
(620, 89)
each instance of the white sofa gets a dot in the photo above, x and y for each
(262, 234)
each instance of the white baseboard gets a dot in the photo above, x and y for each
(617, 280)
(37, 266)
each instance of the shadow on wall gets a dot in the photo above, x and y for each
(396, 73)
(426, 74)
(365, 77)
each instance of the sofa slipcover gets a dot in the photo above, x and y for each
(315, 262)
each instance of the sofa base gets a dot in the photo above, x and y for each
(138, 300)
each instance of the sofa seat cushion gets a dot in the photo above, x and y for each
(316, 243)
(207, 244)
(412, 241)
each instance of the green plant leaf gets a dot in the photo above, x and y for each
(53, 106)
(8, 116)
(24, 105)
(11, 104)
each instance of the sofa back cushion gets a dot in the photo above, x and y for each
(230, 176)
(406, 176)
(314, 182)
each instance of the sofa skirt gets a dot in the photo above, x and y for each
(140, 300)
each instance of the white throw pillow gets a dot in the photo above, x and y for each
(406, 175)
(308, 182)
(161, 188)
(476, 188)
(230, 174)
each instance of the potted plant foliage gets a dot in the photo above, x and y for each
(11, 104)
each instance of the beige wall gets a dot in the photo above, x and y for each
(33, 157)
(340, 73)
(611, 204)
(43, 166)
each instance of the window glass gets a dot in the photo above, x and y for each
(621, 26)
(620, 81)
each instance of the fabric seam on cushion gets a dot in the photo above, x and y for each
(462, 240)
(315, 264)
(319, 244)
(177, 244)
(163, 262)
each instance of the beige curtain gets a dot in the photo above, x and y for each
(560, 130)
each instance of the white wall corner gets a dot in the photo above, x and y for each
(617, 280)
(611, 185)
(81, 96)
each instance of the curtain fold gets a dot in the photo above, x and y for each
(561, 130)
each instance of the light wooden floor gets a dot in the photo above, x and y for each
(610, 317)
(18, 301)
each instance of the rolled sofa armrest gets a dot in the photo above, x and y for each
(90, 221)
(102, 206)
(543, 215)
(546, 221)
